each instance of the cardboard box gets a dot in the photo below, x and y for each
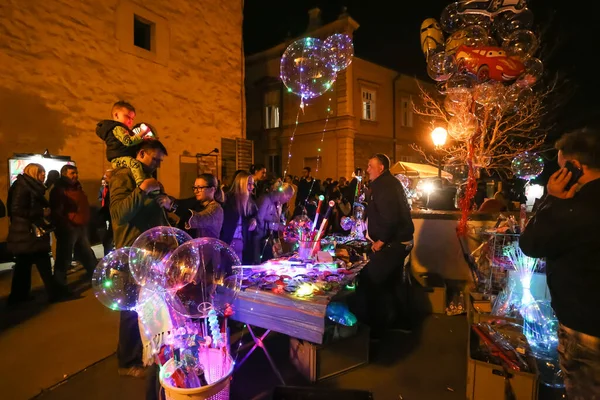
(435, 289)
(486, 381)
(317, 362)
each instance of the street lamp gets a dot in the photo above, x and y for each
(439, 135)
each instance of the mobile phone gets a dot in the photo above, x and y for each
(575, 174)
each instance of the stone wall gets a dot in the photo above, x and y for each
(65, 63)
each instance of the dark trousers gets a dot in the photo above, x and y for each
(129, 349)
(21, 280)
(153, 387)
(107, 240)
(382, 289)
(74, 238)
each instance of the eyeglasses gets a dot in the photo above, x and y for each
(198, 188)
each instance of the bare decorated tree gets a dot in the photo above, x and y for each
(489, 125)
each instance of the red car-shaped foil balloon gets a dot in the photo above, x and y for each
(489, 63)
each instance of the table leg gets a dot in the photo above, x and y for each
(259, 342)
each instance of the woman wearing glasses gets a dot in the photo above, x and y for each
(208, 221)
(239, 220)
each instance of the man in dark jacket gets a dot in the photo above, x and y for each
(391, 229)
(564, 231)
(71, 215)
(306, 187)
(134, 211)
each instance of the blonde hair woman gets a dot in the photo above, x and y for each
(27, 208)
(239, 219)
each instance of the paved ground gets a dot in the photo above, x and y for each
(429, 364)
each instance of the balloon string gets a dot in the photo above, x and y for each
(287, 167)
(323, 135)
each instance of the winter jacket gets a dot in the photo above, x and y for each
(114, 147)
(231, 217)
(563, 231)
(388, 211)
(132, 211)
(69, 204)
(208, 221)
(26, 205)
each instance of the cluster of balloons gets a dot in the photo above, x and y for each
(482, 54)
(193, 276)
(309, 66)
(487, 57)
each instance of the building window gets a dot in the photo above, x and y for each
(271, 117)
(406, 109)
(271, 102)
(368, 105)
(142, 33)
(275, 164)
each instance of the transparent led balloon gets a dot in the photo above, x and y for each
(340, 51)
(149, 255)
(217, 281)
(527, 166)
(462, 127)
(441, 66)
(305, 69)
(488, 93)
(451, 19)
(521, 43)
(113, 283)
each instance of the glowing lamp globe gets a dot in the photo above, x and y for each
(439, 136)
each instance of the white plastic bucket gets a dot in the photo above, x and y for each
(217, 371)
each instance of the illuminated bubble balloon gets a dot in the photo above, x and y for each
(462, 127)
(488, 93)
(340, 51)
(508, 22)
(514, 96)
(217, 281)
(149, 255)
(521, 43)
(527, 166)
(476, 35)
(479, 20)
(404, 180)
(441, 66)
(113, 283)
(300, 224)
(451, 19)
(458, 88)
(534, 68)
(304, 68)
(455, 107)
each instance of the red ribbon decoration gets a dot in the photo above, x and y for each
(469, 194)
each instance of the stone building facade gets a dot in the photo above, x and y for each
(179, 62)
(371, 111)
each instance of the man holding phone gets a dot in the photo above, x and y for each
(564, 231)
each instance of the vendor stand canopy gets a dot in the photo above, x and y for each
(414, 170)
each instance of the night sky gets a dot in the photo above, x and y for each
(389, 35)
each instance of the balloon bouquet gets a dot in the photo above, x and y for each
(482, 54)
(182, 290)
(309, 68)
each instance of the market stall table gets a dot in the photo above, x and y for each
(291, 297)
